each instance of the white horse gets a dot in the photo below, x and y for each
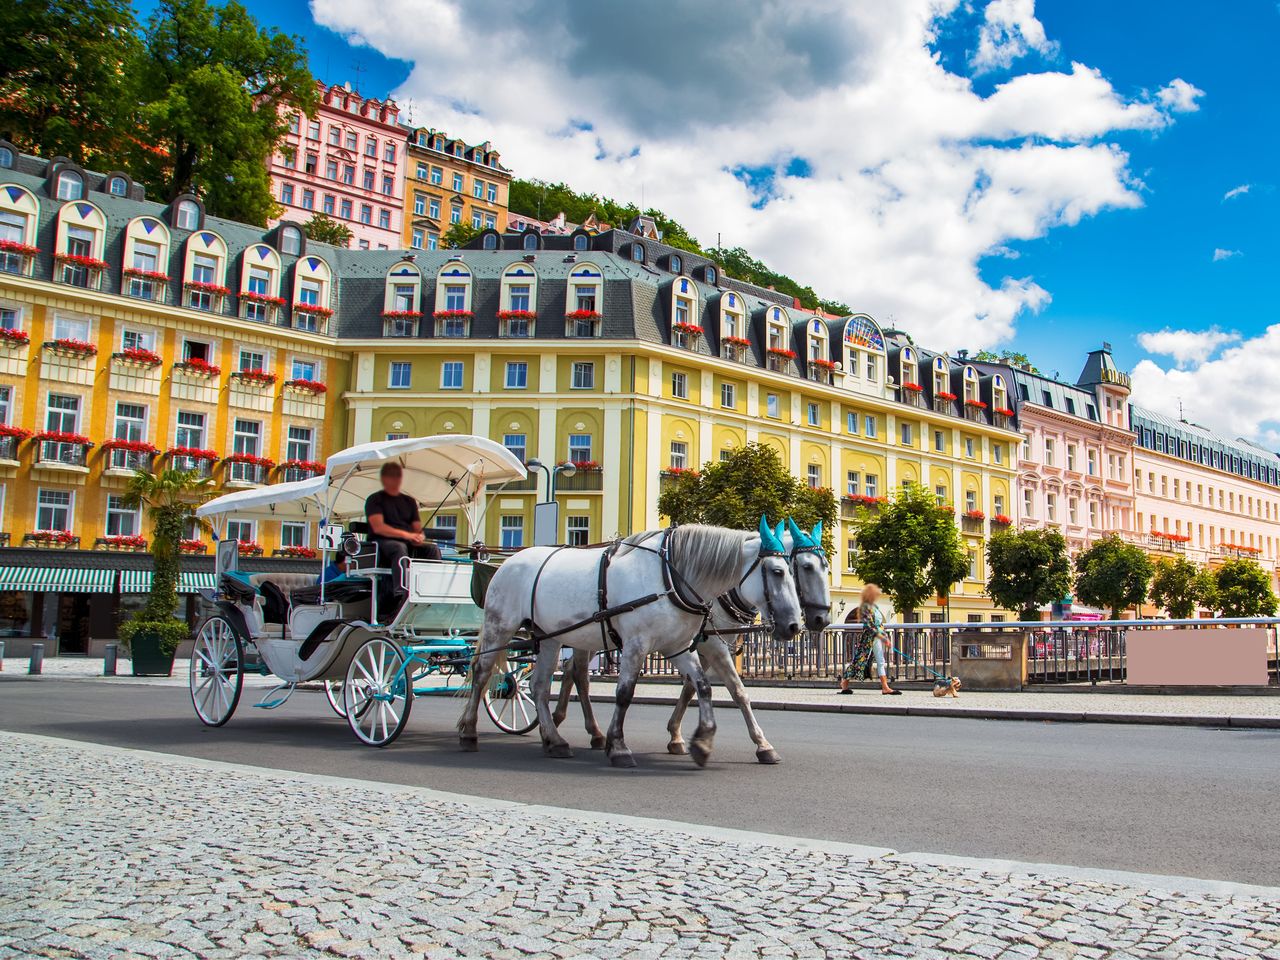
(731, 618)
(650, 593)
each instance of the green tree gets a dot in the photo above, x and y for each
(736, 492)
(910, 547)
(217, 92)
(458, 235)
(169, 498)
(325, 229)
(1027, 569)
(1113, 574)
(1179, 587)
(1013, 357)
(1243, 589)
(65, 86)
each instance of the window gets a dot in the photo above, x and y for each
(512, 532)
(313, 130)
(388, 185)
(870, 424)
(1071, 456)
(53, 510)
(349, 174)
(1051, 506)
(247, 437)
(997, 452)
(814, 476)
(434, 207)
(971, 500)
(384, 219)
(680, 385)
(1073, 510)
(419, 205)
(240, 531)
(366, 213)
(973, 573)
(851, 423)
(579, 447)
(63, 414)
(1026, 446)
(455, 298)
(70, 185)
(189, 213)
(940, 495)
(477, 189)
(814, 414)
(371, 147)
(577, 531)
(416, 242)
(853, 483)
(301, 444)
(679, 455)
(519, 296)
(389, 153)
(771, 405)
(70, 328)
(293, 534)
(399, 378)
(1048, 451)
(1091, 463)
(117, 187)
(451, 375)
(517, 444)
(351, 140)
(491, 193)
(6, 404)
(728, 396)
(872, 484)
(331, 169)
(905, 434)
(190, 432)
(457, 183)
(252, 360)
(871, 367)
(580, 242)
(122, 520)
(455, 213)
(584, 375)
(437, 176)
(637, 252)
(344, 209)
(310, 164)
(302, 369)
(131, 421)
(517, 375)
(291, 241)
(1027, 512)
(997, 503)
(970, 450)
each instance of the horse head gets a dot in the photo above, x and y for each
(809, 567)
(769, 586)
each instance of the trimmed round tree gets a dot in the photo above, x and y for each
(1243, 589)
(1027, 569)
(1113, 574)
(1179, 587)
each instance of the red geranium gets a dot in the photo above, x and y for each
(8, 431)
(312, 308)
(689, 329)
(15, 337)
(737, 341)
(681, 472)
(146, 274)
(192, 546)
(194, 453)
(587, 465)
(943, 395)
(453, 314)
(249, 458)
(1001, 519)
(215, 288)
(782, 352)
(263, 377)
(197, 366)
(137, 355)
(1004, 411)
(975, 515)
(67, 345)
(517, 315)
(300, 553)
(57, 436)
(51, 536)
(975, 404)
(249, 546)
(402, 314)
(133, 541)
(266, 298)
(306, 386)
(823, 364)
(133, 446)
(582, 315)
(76, 260)
(314, 466)
(913, 387)
(13, 246)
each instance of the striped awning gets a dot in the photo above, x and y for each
(57, 579)
(193, 581)
(135, 581)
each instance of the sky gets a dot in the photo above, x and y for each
(1041, 176)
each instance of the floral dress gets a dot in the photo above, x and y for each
(872, 620)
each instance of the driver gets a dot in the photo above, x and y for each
(396, 527)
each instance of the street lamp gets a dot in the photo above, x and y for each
(546, 515)
(567, 469)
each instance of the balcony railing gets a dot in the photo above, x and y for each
(240, 472)
(19, 263)
(130, 459)
(972, 524)
(736, 352)
(523, 486)
(202, 467)
(76, 275)
(975, 414)
(913, 398)
(400, 326)
(582, 328)
(259, 312)
(820, 375)
(451, 328)
(943, 406)
(1002, 420)
(63, 453)
(778, 364)
(582, 480)
(516, 327)
(9, 448)
(144, 289)
(4, 539)
(1167, 544)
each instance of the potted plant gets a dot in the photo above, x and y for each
(170, 498)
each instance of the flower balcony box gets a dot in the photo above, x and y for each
(822, 364)
(51, 539)
(130, 454)
(72, 349)
(144, 284)
(974, 515)
(582, 323)
(1004, 411)
(213, 289)
(517, 315)
(10, 437)
(741, 342)
(1000, 520)
(263, 298)
(195, 367)
(311, 387)
(254, 378)
(912, 387)
(294, 470)
(247, 468)
(944, 396)
(688, 329)
(79, 271)
(121, 544)
(153, 275)
(18, 249)
(782, 352)
(452, 323)
(516, 323)
(136, 357)
(582, 315)
(250, 548)
(295, 553)
(308, 315)
(14, 338)
(59, 449)
(194, 460)
(400, 326)
(192, 546)
(680, 472)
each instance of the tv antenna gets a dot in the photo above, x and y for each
(357, 68)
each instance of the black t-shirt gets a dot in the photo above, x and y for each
(399, 512)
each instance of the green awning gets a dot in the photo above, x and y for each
(193, 581)
(57, 579)
(135, 581)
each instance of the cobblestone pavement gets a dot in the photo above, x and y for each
(107, 852)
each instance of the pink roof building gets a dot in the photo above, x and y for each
(347, 163)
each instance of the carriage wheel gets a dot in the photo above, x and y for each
(333, 693)
(216, 674)
(377, 695)
(509, 703)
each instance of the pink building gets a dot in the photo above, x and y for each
(347, 163)
(1075, 463)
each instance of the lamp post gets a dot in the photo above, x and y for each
(546, 514)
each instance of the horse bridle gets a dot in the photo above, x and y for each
(821, 554)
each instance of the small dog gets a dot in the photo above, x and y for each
(944, 688)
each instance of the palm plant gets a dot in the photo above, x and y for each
(170, 498)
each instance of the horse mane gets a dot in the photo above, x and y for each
(708, 557)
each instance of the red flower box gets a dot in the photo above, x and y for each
(247, 547)
(51, 536)
(782, 352)
(266, 298)
(76, 260)
(737, 341)
(13, 246)
(197, 367)
(689, 329)
(680, 472)
(146, 274)
(215, 288)
(14, 337)
(1001, 519)
(194, 453)
(913, 387)
(8, 431)
(132, 542)
(192, 546)
(298, 553)
(582, 315)
(57, 436)
(402, 314)
(1004, 411)
(453, 314)
(865, 501)
(585, 465)
(313, 308)
(307, 386)
(974, 515)
(517, 315)
(67, 345)
(249, 458)
(262, 378)
(315, 466)
(975, 404)
(1175, 537)
(943, 395)
(133, 446)
(823, 364)
(147, 358)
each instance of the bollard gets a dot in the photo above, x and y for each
(37, 659)
(1, 656)
(110, 654)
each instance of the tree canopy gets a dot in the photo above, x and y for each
(735, 492)
(910, 547)
(1012, 357)
(1178, 586)
(1113, 574)
(458, 235)
(325, 229)
(1243, 589)
(1027, 569)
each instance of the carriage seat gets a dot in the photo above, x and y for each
(343, 589)
(275, 589)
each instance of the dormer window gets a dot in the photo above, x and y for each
(290, 241)
(6, 157)
(585, 295)
(820, 367)
(518, 298)
(18, 214)
(489, 241)
(187, 215)
(863, 348)
(260, 283)
(580, 242)
(78, 250)
(117, 187)
(734, 344)
(312, 295)
(146, 258)
(778, 352)
(970, 384)
(709, 274)
(401, 310)
(70, 185)
(685, 329)
(676, 263)
(453, 300)
(637, 252)
(530, 241)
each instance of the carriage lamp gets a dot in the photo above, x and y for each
(566, 469)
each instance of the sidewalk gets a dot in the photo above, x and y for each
(1101, 704)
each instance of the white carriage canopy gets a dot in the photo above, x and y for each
(298, 500)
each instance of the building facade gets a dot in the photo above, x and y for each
(449, 182)
(1205, 496)
(348, 163)
(135, 334)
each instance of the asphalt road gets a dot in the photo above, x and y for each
(1187, 801)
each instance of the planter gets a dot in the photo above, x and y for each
(149, 658)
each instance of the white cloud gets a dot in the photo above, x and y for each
(1220, 254)
(1178, 96)
(1010, 31)
(1228, 393)
(1239, 191)
(1187, 347)
(915, 178)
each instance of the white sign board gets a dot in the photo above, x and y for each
(330, 536)
(546, 524)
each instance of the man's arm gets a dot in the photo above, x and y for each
(378, 526)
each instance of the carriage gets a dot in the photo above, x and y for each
(298, 630)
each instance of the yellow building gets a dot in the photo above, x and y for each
(448, 182)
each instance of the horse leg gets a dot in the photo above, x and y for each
(582, 680)
(704, 736)
(630, 660)
(676, 744)
(491, 647)
(553, 744)
(566, 688)
(716, 655)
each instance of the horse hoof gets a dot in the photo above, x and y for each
(597, 743)
(768, 756)
(701, 754)
(623, 760)
(559, 751)
(469, 744)
(677, 748)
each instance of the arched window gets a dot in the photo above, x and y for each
(146, 259)
(970, 385)
(205, 272)
(518, 302)
(453, 300)
(863, 348)
(490, 241)
(733, 328)
(260, 272)
(18, 214)
(637, 252)
(676, 263)
(70, 185)
(582, 305)
(188, 215)
(401, 306)
(6, 157)
(580, 242)
(710, 275)
(531, 241)
(685, 329)
(80, 242)
(312, 294)
(290, 241)
(117, 187)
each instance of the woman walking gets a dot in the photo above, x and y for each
(871, 642)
